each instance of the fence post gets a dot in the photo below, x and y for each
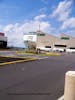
(69, 92)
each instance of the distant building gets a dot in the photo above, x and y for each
(44, 41)
(3, 40)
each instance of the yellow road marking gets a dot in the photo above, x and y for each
(12, 62)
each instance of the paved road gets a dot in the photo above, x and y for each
(37, 80)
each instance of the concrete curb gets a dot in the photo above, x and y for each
(18, 61)
(12, 56)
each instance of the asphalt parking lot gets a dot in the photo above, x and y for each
(42, 79)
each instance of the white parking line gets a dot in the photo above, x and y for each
(61, 98)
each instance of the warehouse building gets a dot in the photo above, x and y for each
(44, 41)
(3, 40)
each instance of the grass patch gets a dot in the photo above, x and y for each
(33, 52)
(49, 54)
(30, 52)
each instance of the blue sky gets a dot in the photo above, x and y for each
(17, 11)
(21, 16)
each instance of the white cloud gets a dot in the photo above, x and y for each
(16, 31)
(43, 10)
(14, 35)
(63, 10)
(69, 23)
(71, 32)
(62, 13)
(39, 17)
(8, 27)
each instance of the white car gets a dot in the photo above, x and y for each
(70, 50)
(58, 49)
(44, 49)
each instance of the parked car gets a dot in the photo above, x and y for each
(70, 50)
(44, 49)
(58, 49)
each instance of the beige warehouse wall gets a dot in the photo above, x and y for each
(50, 40)
(47, 40)
(70, 42)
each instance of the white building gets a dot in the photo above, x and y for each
(44, 41)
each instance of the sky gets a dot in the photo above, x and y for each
(18, 17)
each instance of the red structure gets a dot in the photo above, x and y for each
(2, 34)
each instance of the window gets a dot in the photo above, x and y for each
(56, 45)
(72, 47)
(47, 46)
(65, 38)
(41, 34)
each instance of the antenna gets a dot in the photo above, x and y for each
(39, 27)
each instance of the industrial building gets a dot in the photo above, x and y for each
(3, 40)
(44, 41)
